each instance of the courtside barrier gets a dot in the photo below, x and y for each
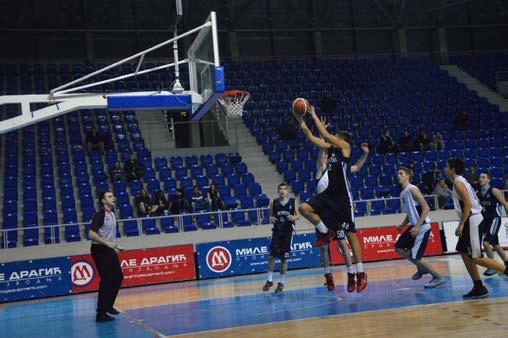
(245, 256)
(379, 244)
(451, 240)
(36, 278)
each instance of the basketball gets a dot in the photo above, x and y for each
(300, 106)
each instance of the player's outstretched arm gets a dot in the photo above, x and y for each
(500, 198)
(361, 161)
(321, 160)
(326, 135)
(308, 134)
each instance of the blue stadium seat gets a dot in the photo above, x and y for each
(238, 218)
(168, 225)
(149, 226)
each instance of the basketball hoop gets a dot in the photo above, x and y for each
(233, 101)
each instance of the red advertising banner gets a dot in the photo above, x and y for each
(139, 267)
(379, 244)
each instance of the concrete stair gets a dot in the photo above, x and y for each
(260, 166)
(155, 132)
(473, 84)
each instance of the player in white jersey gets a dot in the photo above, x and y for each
(412, 243)
(470, 230)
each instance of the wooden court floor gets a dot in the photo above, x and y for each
(392, 305)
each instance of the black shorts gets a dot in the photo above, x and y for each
(280, 245)
(470, 242)
(339, 236)
(491, 229)
(416, 245)
(335, 214)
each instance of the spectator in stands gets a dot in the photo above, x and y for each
(461, 122)
(199, 202)
(94, 140)
(116, 173)
(472, 177)
(405, 142)
(134, 170)
(443, 193)
(423, 142)
(437, 142)
(160, 204)
(216, 202)
(144, 204)
(429, 181)
(179, 203)
(386, 144)
(411, 167)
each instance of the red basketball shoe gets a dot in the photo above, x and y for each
(330, 285)
(361, 283)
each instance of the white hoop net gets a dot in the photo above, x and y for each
(233, 101)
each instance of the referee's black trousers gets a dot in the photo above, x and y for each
(110, 273)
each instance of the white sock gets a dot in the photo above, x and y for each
(282, 278)
(321, 227)
(328, 269)
(270, 276)
(350, 269)
(359, 267)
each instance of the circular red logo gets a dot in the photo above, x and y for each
(218, 259)
(82, 273)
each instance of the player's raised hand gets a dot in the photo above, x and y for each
(365, 148)
(323, 121)
(312, 111)
(272, 219)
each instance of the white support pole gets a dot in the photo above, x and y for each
(215, 39)
(162, 44)
(121, 77)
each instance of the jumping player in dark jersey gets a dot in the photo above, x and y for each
(321, 166)
(284, 213)
(335, 203)
(492, 201)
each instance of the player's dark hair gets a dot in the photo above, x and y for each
(102, 194)
(345, 135)
(283, 184)
(405, 170)
(486, 172)
(456, 164)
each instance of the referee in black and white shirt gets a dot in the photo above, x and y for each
(103, 235)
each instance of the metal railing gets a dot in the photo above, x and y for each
(218, 217)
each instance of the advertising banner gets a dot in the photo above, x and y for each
(379, 244)
(451, 239)
(34, 279)
(246, 256)
(139, 267)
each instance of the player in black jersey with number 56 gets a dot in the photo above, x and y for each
(492, 201)
(283, 214)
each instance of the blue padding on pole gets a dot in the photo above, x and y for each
(181, 102)
(219, 87)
